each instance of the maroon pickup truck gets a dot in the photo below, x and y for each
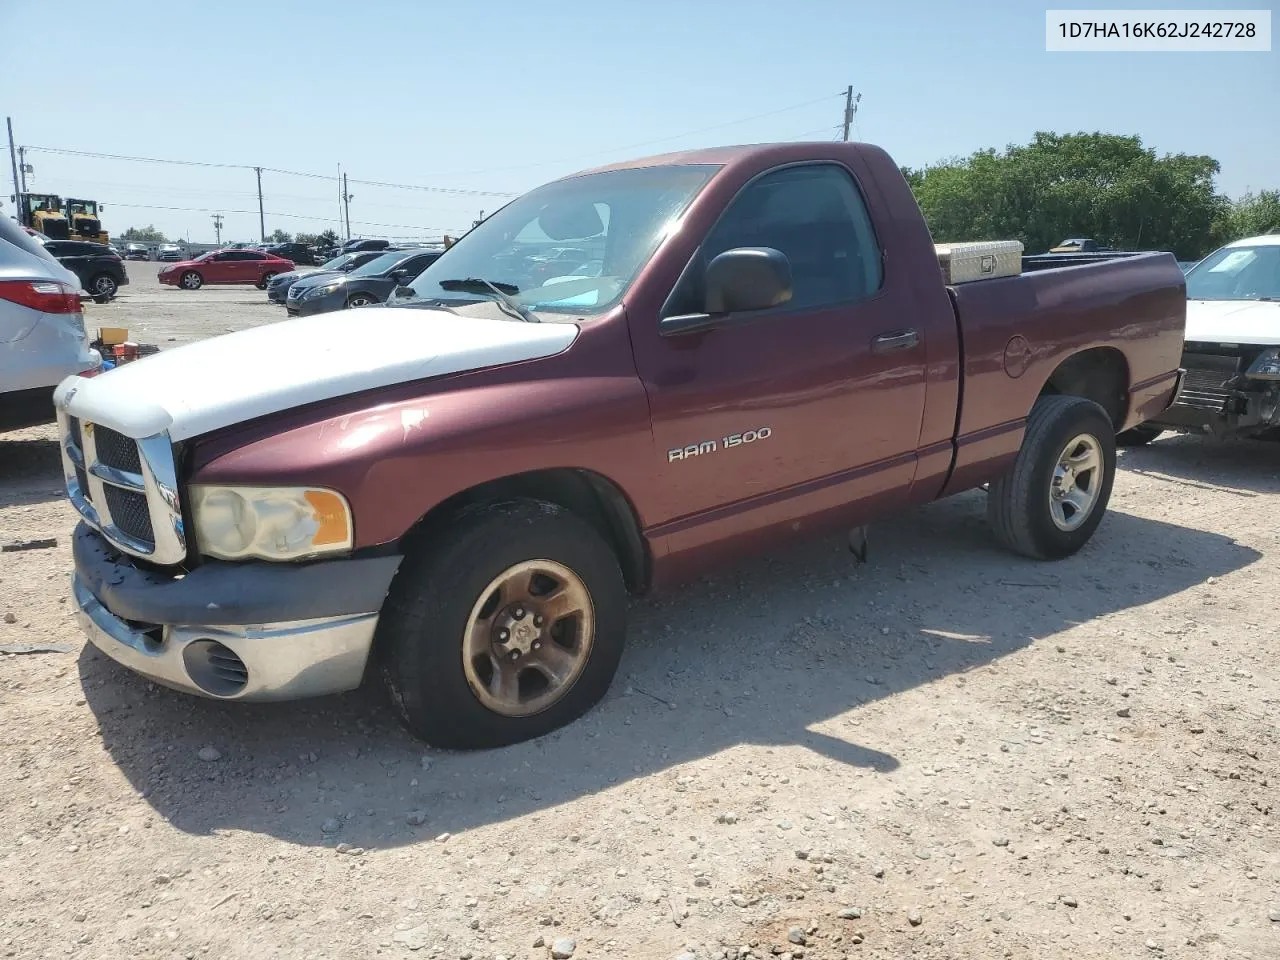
(460, 488)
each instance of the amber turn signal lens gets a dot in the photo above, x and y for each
(331, 514)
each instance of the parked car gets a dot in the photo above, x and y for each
(137, 251)
(482, 491)
(42, 338)
(225, 266)
(169, 252)
(278, 286)
(1232, 350)
(356, 245)
(99, 268)
(362, 286)
(299, 253)
(556, 262)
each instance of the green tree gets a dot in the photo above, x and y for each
(1252, 215)
(147, 234)
(279, 236)
(1104, 186)
(325, 239)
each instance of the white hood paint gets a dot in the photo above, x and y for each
(193, 389)
(1233, 321)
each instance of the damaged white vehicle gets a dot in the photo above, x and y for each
(1231, 387)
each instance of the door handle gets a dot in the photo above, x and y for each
(895, 340)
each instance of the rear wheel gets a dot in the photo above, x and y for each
(1138, 436)
(103, 287)
(191, 280)
(1051, 501)
(504, 625)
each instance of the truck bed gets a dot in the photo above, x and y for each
(1016, 331)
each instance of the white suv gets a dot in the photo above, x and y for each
(42, 337)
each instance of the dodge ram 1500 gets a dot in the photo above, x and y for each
(458, 491)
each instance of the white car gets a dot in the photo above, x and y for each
(1232, 351)
(42, 336)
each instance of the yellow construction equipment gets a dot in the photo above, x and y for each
(44, 213)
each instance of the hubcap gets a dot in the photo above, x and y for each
(528, 638)
(1077, 478)
(191, 280)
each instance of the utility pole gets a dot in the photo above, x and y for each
(22, 167)
(217, 228)
(346, 204)
(18, 202)
(850, 108)
(262, 224)
(341, 228)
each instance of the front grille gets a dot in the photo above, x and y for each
(116, 450)
(125, 489)
(1204, 385)
(129, 512)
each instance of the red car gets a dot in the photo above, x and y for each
(225, 266)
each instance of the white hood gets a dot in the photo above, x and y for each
(193, 389)
(1233, 321)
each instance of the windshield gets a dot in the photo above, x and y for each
(1237, 273)
(615, 219)
(337, 263)
(380, 264)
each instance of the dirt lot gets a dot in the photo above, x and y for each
(947, 753)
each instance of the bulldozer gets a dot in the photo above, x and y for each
(44, 213)
(86, 222)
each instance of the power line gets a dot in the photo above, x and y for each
(63, 151)
(292, 216)
(646, 143)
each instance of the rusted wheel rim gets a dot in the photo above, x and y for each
(528, 638)
(1077, 479)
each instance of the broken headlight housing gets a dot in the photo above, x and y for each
(1266, 367)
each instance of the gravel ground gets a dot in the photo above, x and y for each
(946, 753)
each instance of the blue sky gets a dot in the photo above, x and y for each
(501, 96)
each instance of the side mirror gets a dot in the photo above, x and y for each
(747, 278)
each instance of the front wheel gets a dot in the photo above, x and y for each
(361, 300)
(192, 280)
(504, 625)
(266, 279)
(1054, 496)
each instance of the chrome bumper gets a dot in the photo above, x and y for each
(272, 661)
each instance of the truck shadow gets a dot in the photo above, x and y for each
(774, 654)
(30, 471)
(1248, 467)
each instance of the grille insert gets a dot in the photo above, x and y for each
(215, 668)
(129, 512)
(116, 450)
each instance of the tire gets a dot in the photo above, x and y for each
(447, 582)
(266, 278)
(1022, 504)
(103, 287)
(362, 300)
(1138, 436)
(191, 281)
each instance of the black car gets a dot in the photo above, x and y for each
(356, 245)
(299, 253)
(369, 284)
(100, 269)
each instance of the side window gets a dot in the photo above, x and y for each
(815, 215)
(58, 249)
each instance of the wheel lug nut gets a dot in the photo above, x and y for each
(515, 654)
(502, 635)
(537, 621)
(537, 645)
(518, 613)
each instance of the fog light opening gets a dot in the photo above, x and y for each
(215, 668)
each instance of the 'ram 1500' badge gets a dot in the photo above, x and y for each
(724, 443)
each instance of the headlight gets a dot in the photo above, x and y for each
(270, 523)
(1267, 366)
(312, 292)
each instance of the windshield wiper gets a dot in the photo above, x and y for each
(501, 292)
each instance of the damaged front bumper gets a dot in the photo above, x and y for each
(251, 631)
(1217, 396)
